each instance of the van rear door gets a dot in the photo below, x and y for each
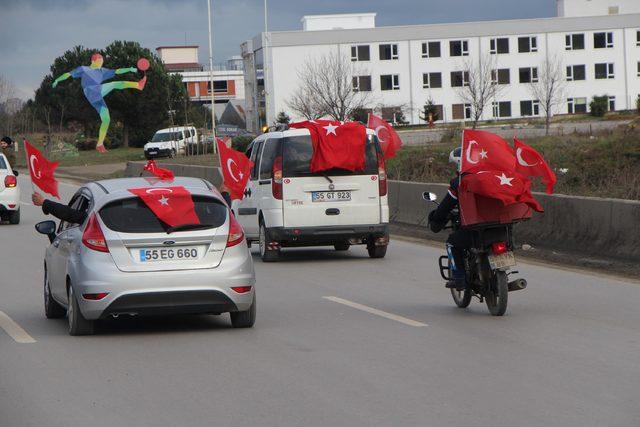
(335, 197)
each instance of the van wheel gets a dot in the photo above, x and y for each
(172, 153)
(14, 217)
(376, 251)
(342, 246)
(244, 319)
(78, 325)
(267, 255)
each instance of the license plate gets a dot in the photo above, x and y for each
(330, 196)
(168, 254)
(504, 260)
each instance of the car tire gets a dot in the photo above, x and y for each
(376, 251)
(52, 310)
(172, 153)
(267, 255)
(244, 319)
(78, 325)
(14, 217)
(342, 246)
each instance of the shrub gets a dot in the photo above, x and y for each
(429, 107)
(599, 105)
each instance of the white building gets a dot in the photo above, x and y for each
(405, 66)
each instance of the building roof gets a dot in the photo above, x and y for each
(177, 47)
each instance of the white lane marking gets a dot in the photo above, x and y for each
(14, 330)
(377, 312)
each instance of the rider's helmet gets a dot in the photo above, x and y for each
(454, 156)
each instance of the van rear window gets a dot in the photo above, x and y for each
(297, 152)
(131, 215)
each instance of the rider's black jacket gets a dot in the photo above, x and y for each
(63, 212)
(438, 217)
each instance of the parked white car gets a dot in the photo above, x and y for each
(286, 205)
(171, 141)
(9, 192)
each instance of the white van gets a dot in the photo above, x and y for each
(286, 205)
(171, 141)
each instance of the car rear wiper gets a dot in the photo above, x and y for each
(185, 227)
(327, 177)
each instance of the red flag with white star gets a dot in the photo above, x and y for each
(163, 174)
(531, 163)
(236, 169)
(389, 140)
(508, 187)
(41, 170)
(172, 205)
(485, 151)
(336, 145)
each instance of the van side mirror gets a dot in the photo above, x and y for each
(47, 228)
(429, 197)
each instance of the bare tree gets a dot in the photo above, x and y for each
(326, 88)
(549, 89)
(7, 92)
(479, 85)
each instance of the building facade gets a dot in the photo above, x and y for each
(404, 67)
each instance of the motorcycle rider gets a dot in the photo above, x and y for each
(458, 240)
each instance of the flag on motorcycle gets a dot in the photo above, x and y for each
(485, 151)
(508, 187)
(41, 170)
(389, 140)
(531, 163)
(171, 205)
(336, 144)
(163, 174)
(236, 169)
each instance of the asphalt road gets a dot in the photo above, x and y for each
(566, 354)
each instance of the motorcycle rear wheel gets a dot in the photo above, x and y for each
(461, 298)
(497, 295)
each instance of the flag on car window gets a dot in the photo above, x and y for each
(172, 205)
(163, 174)
(485, 151)
(531, 163)
(41, 170)
(389, 140)
(336, 144)
(236, 169)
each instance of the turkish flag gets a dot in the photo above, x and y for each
(172, 205)
(236, 169)
(485, 151)
(336, 144)
(389, 140)
(508, 187)
(531, 163)
(41, 170)
(163, 174)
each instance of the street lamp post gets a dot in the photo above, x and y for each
(264, 64)
(213, 112)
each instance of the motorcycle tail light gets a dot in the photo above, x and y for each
(499, 247)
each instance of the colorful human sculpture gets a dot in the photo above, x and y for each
(95, 90)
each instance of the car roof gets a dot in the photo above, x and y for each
(119, 187)
(303, 131)
(173, 129)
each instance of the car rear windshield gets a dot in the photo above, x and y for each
(3, 165)
(297, 152)
(131, 215)
(166, 136)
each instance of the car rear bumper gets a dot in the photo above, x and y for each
(318, 236)
(157, 152)
(10, 199)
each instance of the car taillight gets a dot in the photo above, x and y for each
(10, 181)
(499, 247)
(241, 289)
(95, 297)
(276, 178)
(382, 176)
(93, 238)
(236, 233)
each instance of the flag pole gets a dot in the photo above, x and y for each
(213, 112)
(26, 158)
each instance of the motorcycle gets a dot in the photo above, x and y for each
(487, 264)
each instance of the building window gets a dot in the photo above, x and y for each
(391, 114)
(388, 51)
(219, 86)
(527, 44)
(577, 105)
(431, 50)
(604, 71)
(390, 82)
(500, 76)
(528, 75)
(574, 41)
(461, 111)
(502, 109)
(612, 103)
(459, 48)
(362, 83)
(614, 10)
(638, 68)
(431, 80)
(602, 40)
(497, 46)
(360, 53)
(576, 72)
(459, 78)
(638, 38)
(529, 108)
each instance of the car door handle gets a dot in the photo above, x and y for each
(332, 211)
(56, 243)
(247, 192)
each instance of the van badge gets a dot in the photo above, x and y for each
(168, 242)
(332, 187)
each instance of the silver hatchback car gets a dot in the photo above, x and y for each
(124, 261)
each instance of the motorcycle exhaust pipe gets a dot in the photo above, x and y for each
(517, 285)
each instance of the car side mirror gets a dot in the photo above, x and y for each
(47, 228)
(15, 172)
(429, 197)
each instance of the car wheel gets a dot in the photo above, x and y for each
(172, 153)
(376, 251)
(14, 217)
(52, 310)
(245, 319)
(267, 255)
(342, 246)
(78, 325)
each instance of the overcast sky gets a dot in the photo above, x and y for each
(34, 32)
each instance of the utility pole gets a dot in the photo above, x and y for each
(213, 112)
(264, 63)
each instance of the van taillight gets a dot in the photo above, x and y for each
(382, 176)
(93, 238)
(10, 181)
(276, 178)
(236, 233)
